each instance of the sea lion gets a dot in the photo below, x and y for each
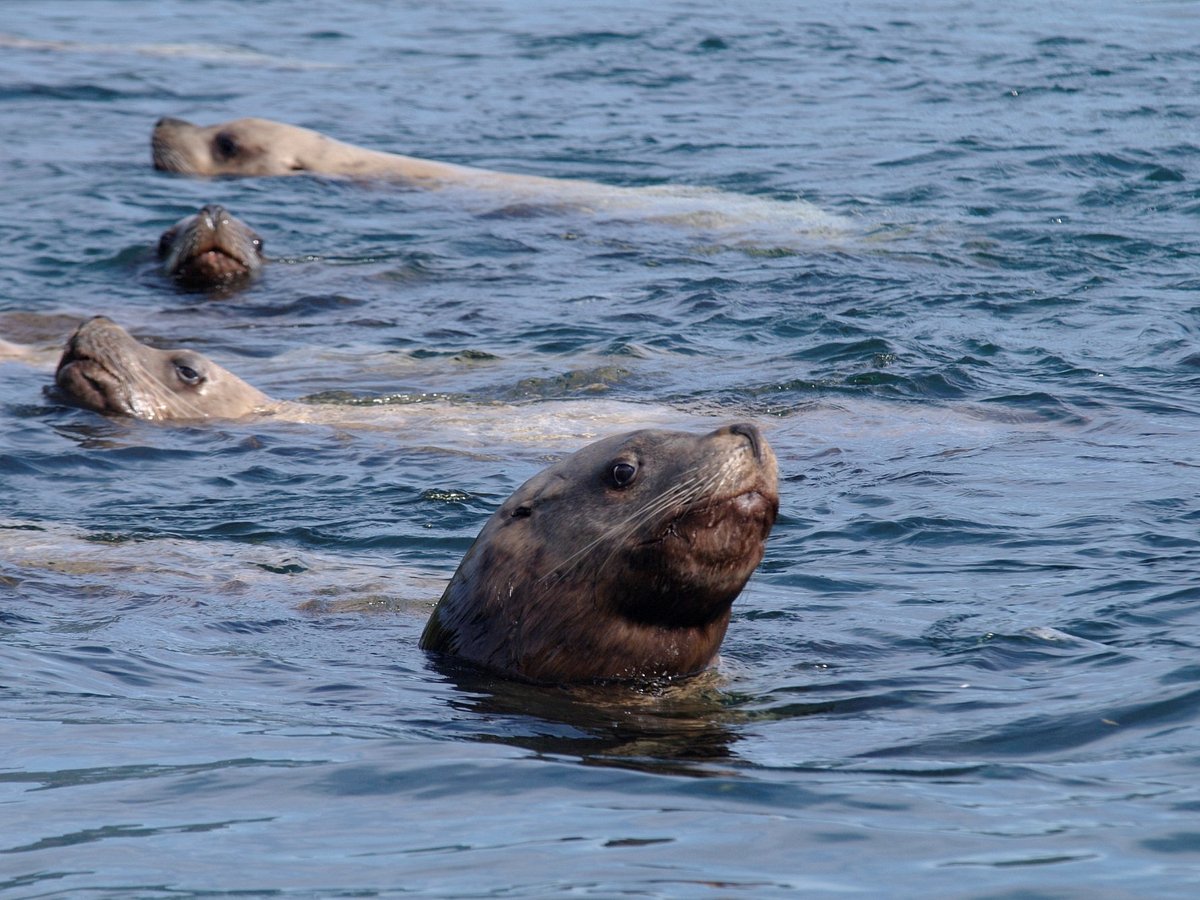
(104, 369)
(620, 562)
(261, 147)
(210, 249)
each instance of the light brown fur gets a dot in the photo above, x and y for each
(261, 147)
(106, 370)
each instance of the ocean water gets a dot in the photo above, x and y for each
(949, 262)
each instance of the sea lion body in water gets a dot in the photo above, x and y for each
(261, 147)
(210, 249)
(104, 369)
(620, 562)
(107, 370)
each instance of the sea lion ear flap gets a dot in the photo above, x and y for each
(542, 489)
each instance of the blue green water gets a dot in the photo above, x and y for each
(968, 665)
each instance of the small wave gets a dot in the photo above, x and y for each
(209, 52)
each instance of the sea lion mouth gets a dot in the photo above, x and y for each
(89, 372)
(214, 264)
(166, 157)
(211, 248)
(87, 381)
(753, 503)
(750, 504)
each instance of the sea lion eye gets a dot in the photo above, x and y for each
(225, 145)
(187, 374)
(622, 474)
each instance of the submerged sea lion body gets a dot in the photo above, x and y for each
(210, 249)
(261, 147)
(620, 562)
(104, 369)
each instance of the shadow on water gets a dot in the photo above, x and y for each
(678, 728)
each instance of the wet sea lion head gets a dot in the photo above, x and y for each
(211, 248)
(104, 369)
(239, 147)
(620, 562)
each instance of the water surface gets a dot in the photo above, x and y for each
(967, 666)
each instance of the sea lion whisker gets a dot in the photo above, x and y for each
(682, 499)
(103, 368)
(157, 391)
(630, 523)
(160, 394)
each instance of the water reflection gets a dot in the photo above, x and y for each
(682, 727)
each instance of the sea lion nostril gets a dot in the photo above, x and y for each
(750, 433)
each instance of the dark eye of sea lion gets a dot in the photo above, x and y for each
(225, 145)
(187, 374)
(622, 473)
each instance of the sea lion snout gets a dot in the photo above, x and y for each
(751, 433)
(105, 369)
(212, 214)
(89, 332)
(211, 249)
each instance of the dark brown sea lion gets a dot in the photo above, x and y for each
(620, 562)
(106, 370)
(210, 249)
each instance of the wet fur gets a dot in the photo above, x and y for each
(104, 369)
(210, 249)
(575, 579)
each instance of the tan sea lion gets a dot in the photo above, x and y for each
(106, 370)
(620, 562)
(262, 147)
(210, 249)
